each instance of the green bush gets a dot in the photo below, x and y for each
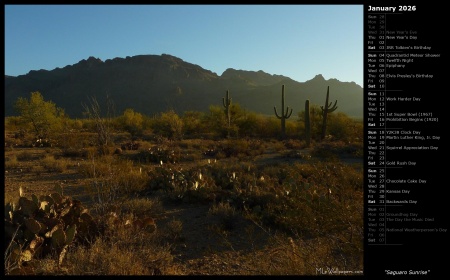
(169, 125)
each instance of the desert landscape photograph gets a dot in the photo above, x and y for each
(183, 140)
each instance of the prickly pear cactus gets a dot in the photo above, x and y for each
(49, 224)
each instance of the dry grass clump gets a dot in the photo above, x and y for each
(125, 253)
(11, 161)
(126, 246)
(112, 178)
(51, 164)
(287, 255)
(226, 214)
(142, 206)
(172, 231)
(28, 156)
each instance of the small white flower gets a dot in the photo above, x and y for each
(262, 178)
(161, 162)
(234, 175)
(200, 176)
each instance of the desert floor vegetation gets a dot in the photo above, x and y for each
(158, 198)
(219, 209)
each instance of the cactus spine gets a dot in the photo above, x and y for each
(307, 124)
(326, 110)
(284, 115)
(227, 105)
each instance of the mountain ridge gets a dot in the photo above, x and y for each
(155, 83)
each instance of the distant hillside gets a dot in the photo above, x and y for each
(156, 83)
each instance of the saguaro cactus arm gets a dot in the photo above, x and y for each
(288, 115)
(328, 108)
(276, 114)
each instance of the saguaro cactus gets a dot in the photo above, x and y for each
(284, 115)
(326, 110)
(227, 105)
(307, 124)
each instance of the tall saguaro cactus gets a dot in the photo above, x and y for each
(326, 110)
(307, 124)
(227, 105)
(284, 115)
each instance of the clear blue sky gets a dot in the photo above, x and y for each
(298, 41)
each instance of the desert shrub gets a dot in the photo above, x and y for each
(144, 145)
(275, 145)
(13, 123)
(226, 214)
(122, 253)
(11, 161)
(158, 154)
(169, 124)
(120, 137)
(43, 117)
(294, 144)
(131, 121)
(51, 164)
(344, 128)
(269, 127)
(239, 148)
(295, 255)
(313, 199)
(292, 129)
(278, 172)
(142, 206)
(248, 124)
(76, 140)
(193, 123)
(325, 191)
(173, 230)
(216, 121)
(28, 156)
(187, 185)
(112, 178)
(16, 140)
